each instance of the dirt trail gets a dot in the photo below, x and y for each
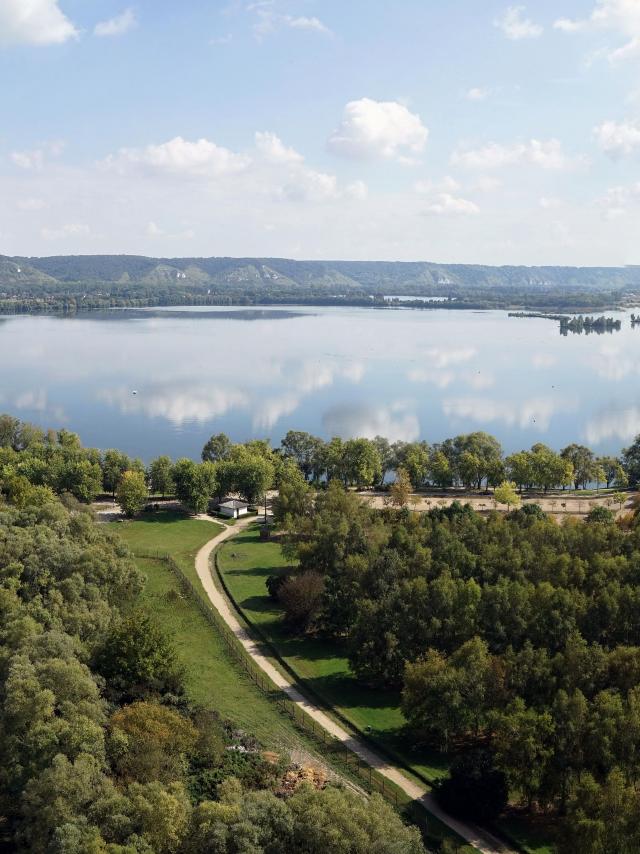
(475, 836)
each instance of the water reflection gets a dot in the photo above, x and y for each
(404, 374)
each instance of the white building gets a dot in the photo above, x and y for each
(233, 508)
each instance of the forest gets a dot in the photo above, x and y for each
(101, 750)
(71, 284)
(514, 641)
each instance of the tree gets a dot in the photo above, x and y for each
(475, 788)
(583, 462)
(294, 498)
(217, 448)
(301, 447)
(400, 489)
(415, 461)
(132, 492)
(507, 494)
(138, 658)
(253, 476)
(631, 462)
(620, 498)
(522, 741)
(114, 465)
(440, 472)
(150, 742)
(160, 478)
(301, 596)
(600, 514)
(361, 462)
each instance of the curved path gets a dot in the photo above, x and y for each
(475, 836)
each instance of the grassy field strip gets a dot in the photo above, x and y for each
(165, 549)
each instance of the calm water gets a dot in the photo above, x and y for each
(404, 374)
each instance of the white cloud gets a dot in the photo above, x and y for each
(273, 149)
(31, 204)
(269, 21)
(477, 93)
(543, 361)
(617, 200)
(302, 23)
(549, 203)
(271, 411)
(180, 157)
(28, 159)
(118, 25)
(73, 229)
(516, 26)
(618, 138)
(34, 22)
(378, 129)
(622, 16)
(445, 203)
(547, 154)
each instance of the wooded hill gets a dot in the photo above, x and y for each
(276, 274)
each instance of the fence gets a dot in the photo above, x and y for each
(371, 778)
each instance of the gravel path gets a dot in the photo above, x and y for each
(480, 839)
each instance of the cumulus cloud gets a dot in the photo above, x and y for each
(181, 157)
(268, 21)
(118, 25)
(445, 203)
(618, 138)
(622, 16)
(617, 200)
(379, 129)
(477, 93)
(515, 25)
(274, 150)
(547, 154)
(34, 22)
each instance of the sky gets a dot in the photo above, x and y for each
(452, 131)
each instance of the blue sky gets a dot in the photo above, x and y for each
(448, 131)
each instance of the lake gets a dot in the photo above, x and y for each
(405, 374)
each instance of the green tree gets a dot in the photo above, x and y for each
(159, 475)
(631, 462)
(217, 448)
(132, 493)
(114, 465)
(361, 462)
(400, 489)
(507, 494)
(583, 462)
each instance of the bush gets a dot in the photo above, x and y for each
(301, 596)
(475, 789)
(600, 514)
(274, 583)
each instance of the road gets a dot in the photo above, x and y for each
(480, 839)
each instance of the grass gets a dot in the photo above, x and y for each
(245, 563)
(213, 678)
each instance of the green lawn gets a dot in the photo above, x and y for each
(169, 532)
(212, 675)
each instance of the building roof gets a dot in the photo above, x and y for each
(234, 504)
